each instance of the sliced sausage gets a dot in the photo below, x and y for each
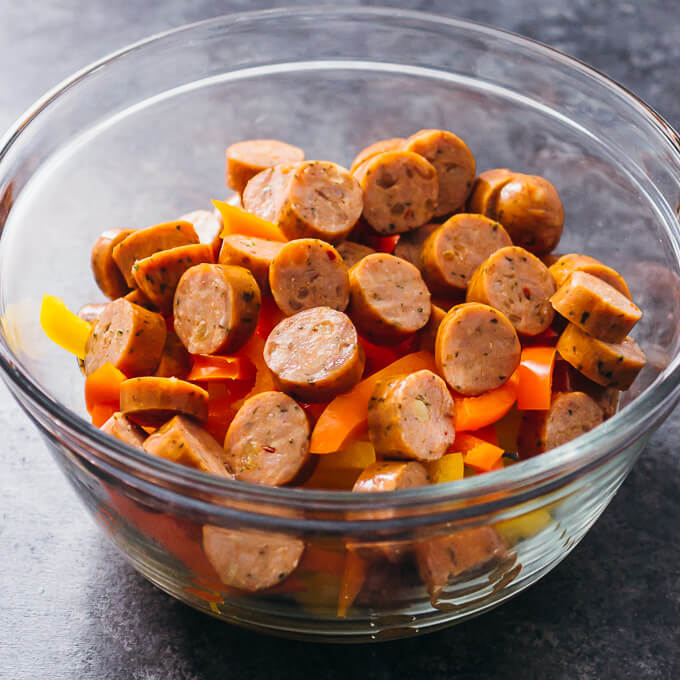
(106, 272)
(151, 401)
(157, 276)
(392, 144)
(264, 194)
(208, 227)
(518, 284)
(454, 163)
(249, 559)
(246, 159)
(410, 244)
(352, 252)
(127, 336)
(308, 273)
(477, 348)
(412, 416)
(182, 440)
(400, 191)
(120, 427)
(486, 190)
(255, 254)
(595, 307)
(136, 297)
(175, 361)
(268, 440)
(91, 312)
(388, 298)
(216, 308)
(567, 379)
(606, 363)
(315, 354)
(530, 209)
(570, 415)
(575, 262)
(428, 333)
(390, 476)
(441, 560)
(451, 253)
(145, 242)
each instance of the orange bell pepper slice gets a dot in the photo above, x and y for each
(102, 393)
(535, 371)
(346, 414)
(352, 580)
(473, 413)
(270, 316)
(208, 367)
(483, 457)
(238, 221)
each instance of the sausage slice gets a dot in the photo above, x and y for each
(208, 226)
(410, 244)
(606, 363)
(486, 190)
(477, 348)
(390, 476)
(136, 297)
(315, 354)
(517, 283)
(157, 276)
(412, 416)
(264, 194)
(184, 441)
(268, 440)
(388, 298)
(216, 308)
(595, 307)
(352, 252)
(255, 254)
(575, 262)
(106, 272)
(127, 336)
(530, 209)
(392, 144)
(308, 273)
(120, 427)
(454, 163)
(451, 253)
(249, 559)
(567, 379)
(175, 361)
(400, 191)
(246, 159)
(570, 415)
(145, 242)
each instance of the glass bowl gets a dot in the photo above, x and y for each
(139, 138)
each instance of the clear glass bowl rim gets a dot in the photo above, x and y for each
(540, 474)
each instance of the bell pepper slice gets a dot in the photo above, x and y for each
(448, 468)
(473, 413)
(63, 327)
(209, 367)
(352, 580)
(238, 221)
(534, 390)
(102, 393)
(483, 457)
(270, 316)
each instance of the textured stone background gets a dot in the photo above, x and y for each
(71, 608)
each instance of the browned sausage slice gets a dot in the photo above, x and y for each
(182, 440)
(390, 476)
(246, 159)
(249, 559)
(410, 244)
(106, 272)
(606, 363)
(400, 191)
(517, 283)
(175, 361)
(268, 440)
(315, 354)
(388, 298)
(454, 163)
(392, 144)
(570, 415)
(136, 297)
(120, 427)
(451, 253)
(127, 336)
(216, 308)
(595, 307)
(264, 194)
(567, 379)
(91, 312)
(308, 273)
(151, 401)
(208, 226)
(565, 265)
(352, 252)
(255, 254)
(412, 416)
(145, 242)
(486, 190)
(530, 209)
(477, 348)
(158, 275)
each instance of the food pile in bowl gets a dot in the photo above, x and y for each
(401, 323)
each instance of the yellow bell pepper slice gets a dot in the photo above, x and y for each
(448, 468)
(63, 327)
(357, 455)
(524, 526)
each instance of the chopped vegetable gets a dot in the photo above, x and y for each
(238, 221)
(357, 455)
(102, 393)
(484, 457)
(524, 526)
(352, 581)
(269, 316)
(63, 327)
(473, 413)
(208, 367)
(448, 468)
(535, 372)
